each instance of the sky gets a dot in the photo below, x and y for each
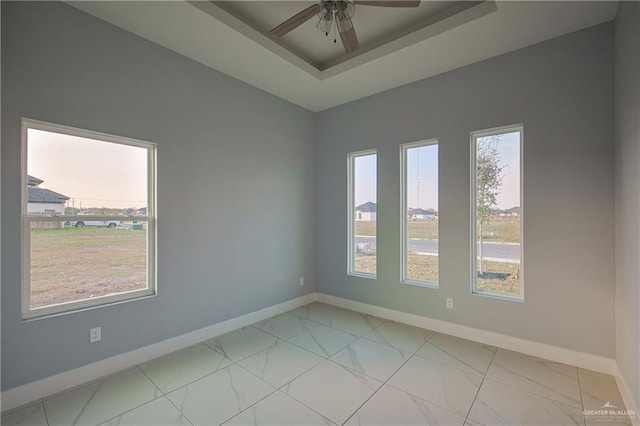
(422, 166)
(103, 174)
(422, 177)
(365, 179)
(509, 152)
(93, 173)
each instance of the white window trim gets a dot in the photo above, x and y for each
(519, 128)
(351, 210)
(404, 254)
(26, 219)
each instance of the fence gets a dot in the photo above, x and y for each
(47, 225)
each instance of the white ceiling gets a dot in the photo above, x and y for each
(208, 34)
(374, 25)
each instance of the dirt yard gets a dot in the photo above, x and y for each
(70, 264)
(497, 277)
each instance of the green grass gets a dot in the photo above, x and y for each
(501, 277)
(502, 230)
(426, 229)
(365, 228)
(365, 264)
(77, 263)
(497, 230)
(498, 277)
(422, 268)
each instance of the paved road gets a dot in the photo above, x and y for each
(492, 251)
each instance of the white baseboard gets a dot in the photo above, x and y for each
(542, 350)
(629, 402)
(52, 385)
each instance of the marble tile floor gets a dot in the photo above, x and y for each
(323, 365)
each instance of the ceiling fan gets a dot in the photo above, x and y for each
(340, 11)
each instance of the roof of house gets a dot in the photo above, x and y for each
(367, 207)
(41, 195)
(33, 181)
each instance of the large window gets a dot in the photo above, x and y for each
(496, 174)
(420, 213)
(362, 172)
(88, 214)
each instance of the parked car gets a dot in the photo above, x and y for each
(99, 223)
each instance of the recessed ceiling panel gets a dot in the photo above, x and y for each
(206, 33)
(374, 26)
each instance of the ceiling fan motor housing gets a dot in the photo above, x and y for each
(339, 10)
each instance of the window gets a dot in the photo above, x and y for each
(496, 175)
(362, 176)
(420, 213)
(88, 209)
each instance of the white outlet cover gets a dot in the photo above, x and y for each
(95, 334)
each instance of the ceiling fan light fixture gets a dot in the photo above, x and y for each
(349, 8)
(343, 21)
(325, 21)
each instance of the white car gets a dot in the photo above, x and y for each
(98, 223)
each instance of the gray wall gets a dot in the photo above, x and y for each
(562, 90)
(246, 160)
(627, 192)
(235, 183)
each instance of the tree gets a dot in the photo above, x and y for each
(488, 182)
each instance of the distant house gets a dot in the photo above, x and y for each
(513, 212)
(41, 200)
(415, 214)
(366, 212)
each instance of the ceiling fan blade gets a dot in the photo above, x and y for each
(296, 20)
(389, 3)
(350, 40)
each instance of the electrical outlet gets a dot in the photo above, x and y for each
(449, 303)
(95, 334)
(301, 281)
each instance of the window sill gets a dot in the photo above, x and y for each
(74, 307)
(499, 296)
(422, 284)
(362, 275)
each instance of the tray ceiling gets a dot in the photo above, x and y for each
(308, 70)
(375, 26)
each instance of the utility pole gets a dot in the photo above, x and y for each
(418, 178)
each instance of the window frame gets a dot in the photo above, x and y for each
(351, 157)
(514, 128)
(26, 219)
(404, 222)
